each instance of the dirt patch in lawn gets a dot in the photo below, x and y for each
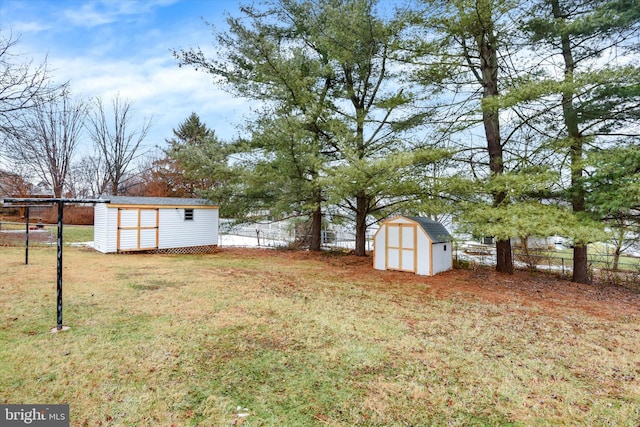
(551, 294)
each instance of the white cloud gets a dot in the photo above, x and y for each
(20, 27)
(98, 13)
(87, 16)
(107, 47)
(159, 89)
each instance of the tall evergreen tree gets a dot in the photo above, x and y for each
(286, 160)
(328, 66)
(472, 40)
(197, 163)
(614, 192)
(592, 43)
(192, 131)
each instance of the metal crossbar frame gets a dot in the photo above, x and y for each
(60, 202)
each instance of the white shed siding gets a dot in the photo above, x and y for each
(442, 257)
(100, 227)
(112, 229)
(176, 232)
(379, 249)
(424, 254)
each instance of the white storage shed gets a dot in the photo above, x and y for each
(162, 224)
(414, 244)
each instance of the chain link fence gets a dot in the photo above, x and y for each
(285, 234)
(602, 266)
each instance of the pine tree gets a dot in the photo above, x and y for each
(197, 163)
(599, 92)
(471, 39)
(328, 67)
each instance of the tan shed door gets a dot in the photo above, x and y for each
(137, 229)
(401, 247)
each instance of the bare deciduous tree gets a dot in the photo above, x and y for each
(88, 177)
(48, 142)
(23, 85)
(114, 139)
(14, 184)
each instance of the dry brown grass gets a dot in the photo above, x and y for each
(303, 339)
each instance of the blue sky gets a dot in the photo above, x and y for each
(124, 46)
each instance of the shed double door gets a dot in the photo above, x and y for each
(401, 247)
(137, 229)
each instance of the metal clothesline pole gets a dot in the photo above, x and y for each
(26, 238)
(26, 232)
(60, 202)
(59, 269)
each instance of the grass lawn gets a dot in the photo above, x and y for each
(270, 338)
(47, 235)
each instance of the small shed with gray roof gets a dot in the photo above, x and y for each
(415, 244)
(159, 224)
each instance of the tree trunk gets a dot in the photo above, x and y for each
(316, 229)
(524, 240)
(362, 203)
(570, 115)
(57, 190)
(114, 188)
(487, 45)
(504, 261)
(580, 275)
(616, 258)
(619, 242)
(580, 262)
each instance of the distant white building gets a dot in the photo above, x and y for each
(162, 224)
(415, 244)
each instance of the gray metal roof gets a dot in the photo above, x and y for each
(158, 201)
(434, 229)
